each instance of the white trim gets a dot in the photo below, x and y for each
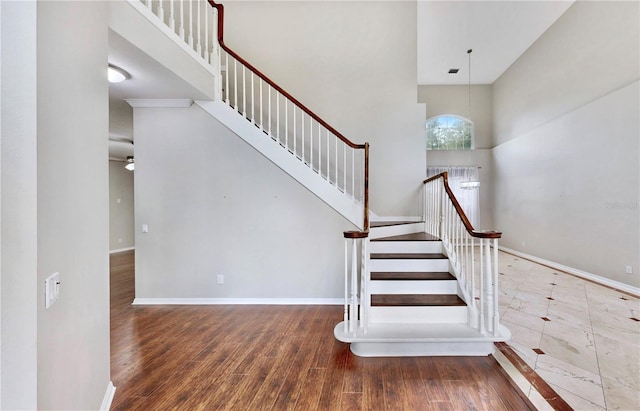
(108, 397)
(574, 271)
(238, 301)
(120, 250)
(396, 218)
(159, 102)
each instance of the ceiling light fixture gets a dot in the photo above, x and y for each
(469, 184)
(130, 165)
(116, 74)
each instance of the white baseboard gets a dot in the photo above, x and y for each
(238, 301)
(120, 250)
(574, 271)
(108, 397)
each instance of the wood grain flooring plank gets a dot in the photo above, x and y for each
(309, 399)
(278, 358)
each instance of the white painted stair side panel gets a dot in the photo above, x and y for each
(422, 349)
(419, 315)
(413, 287)
(343, 204)
(405, 246)
(391, 230)
(409, 265)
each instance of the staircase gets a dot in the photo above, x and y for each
(415, 305)
(411, 288)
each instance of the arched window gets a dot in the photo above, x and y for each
(449, 132)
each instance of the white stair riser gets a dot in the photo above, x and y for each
(413, 287)
(415, 349)
(405, 247)
(388, 231)
(419, 315)
(393, 265)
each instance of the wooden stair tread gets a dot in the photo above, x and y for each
(416, 300)
(407, 256)
(404, 275)
(409, 237)
(391, 223)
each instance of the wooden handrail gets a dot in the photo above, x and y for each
(313, 115)
(467, 225)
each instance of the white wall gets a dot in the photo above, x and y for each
(18, 234)
(441, 100)
(354, 64)
(567, 126)
(214, 206)
(121, 211)
(73, 198)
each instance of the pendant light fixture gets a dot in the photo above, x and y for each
(469, 184)
(130, 164)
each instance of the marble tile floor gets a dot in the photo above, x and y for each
(582, 338)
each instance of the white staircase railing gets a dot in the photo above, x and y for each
(356, 296)
(194, 22)
(473, 254)
(199, 24)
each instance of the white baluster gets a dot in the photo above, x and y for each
(244, 91)
(353, 173)
(269, 109)
(261, 106)
(286, 123)
(199, 33)
(278, 115)
(344, 166)
(235, 83)
(489, 286)
(206, 34)
(481, 291)
(181, 29)
(328, 155)
(302, 133)
(354, 285)
(495, 276)
(295, 135)
(172, 20)
(191, 23)
(253, 100)
(160, 11)
(320, 149)
(311, 143)
(346, 285)
(226, 65)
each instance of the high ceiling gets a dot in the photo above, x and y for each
(497, 31)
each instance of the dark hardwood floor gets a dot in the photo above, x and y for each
(276, 358)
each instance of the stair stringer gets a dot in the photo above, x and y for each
(349, 208)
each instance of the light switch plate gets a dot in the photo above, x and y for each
(51, 289)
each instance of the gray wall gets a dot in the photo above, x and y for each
(73, 198)
(18, 204)
(353, 63)
(215, 206)
(566, 120)
(121, 211)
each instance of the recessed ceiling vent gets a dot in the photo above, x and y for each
(453, 71)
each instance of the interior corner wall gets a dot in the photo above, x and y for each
(354, 64)
(215, 206)
(73, 199)
(18, 206)
(121, 210)
(567, 123)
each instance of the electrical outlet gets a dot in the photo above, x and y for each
(220, 279)
(629, 270)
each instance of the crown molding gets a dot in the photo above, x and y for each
(159, 103)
